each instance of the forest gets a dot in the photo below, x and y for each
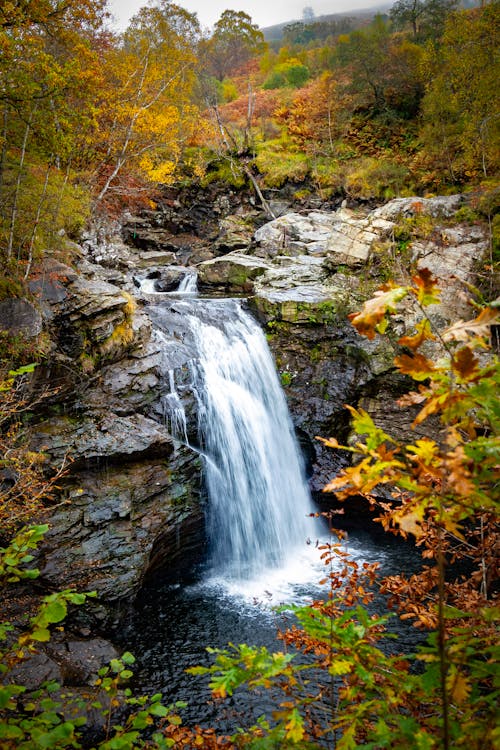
(353, 110)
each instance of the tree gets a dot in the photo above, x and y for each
(235, 40)
(145, 110)
(384, 70)
(461, 108)
(48, 78)
(425, 17)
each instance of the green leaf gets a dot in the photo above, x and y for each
(40, 634)
(55, 611)
(11, 732)
(25, 369)
(157, 709)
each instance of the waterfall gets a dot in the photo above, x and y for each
(259, 503)
(189, 283)
(259, 500)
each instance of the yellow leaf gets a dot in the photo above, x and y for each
(340, 666)
(459, 687)
(329, 442)
(409, 521)
(295, 727)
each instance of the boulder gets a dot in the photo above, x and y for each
(439, 207)
(234, 272)
(235, 233)
(346, 236)
(20, 317)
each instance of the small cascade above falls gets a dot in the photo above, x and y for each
(184, 281)
(258, 497)
(189, 283)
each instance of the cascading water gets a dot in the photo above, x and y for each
(258, 497)
(259, 502)
(257, 510)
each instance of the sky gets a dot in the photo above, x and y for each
(263, 12)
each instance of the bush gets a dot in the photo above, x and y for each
(349, 692)
(370, 178)
(290, 73)
(280, 164)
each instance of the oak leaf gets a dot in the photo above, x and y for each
(465, 364)
(417, 366)
(426, 289)
(371, 318)
(424, 333)
(477, 328)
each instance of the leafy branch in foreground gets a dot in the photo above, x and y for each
(344, 689)
(52, 718)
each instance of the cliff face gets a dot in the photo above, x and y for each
(132, 501)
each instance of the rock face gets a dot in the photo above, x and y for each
(18, 316)
(347, 236)
(132, 501)
(322, 267)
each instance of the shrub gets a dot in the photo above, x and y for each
(349, 692)
(370, 178)
(279, 164)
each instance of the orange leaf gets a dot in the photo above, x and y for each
(465, 364)
(424, 333)
(417, 366)
(426, 290)
(370, 319)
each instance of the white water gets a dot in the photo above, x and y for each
(258, 499)
(189, 283)
(187, 286)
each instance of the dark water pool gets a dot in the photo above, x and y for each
(171, 626)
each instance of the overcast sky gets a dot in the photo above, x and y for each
(263, 12)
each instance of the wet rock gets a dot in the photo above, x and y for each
(168, 279)
(129, 385)
(235, 233)
(103, 538)
(100, 436)
(80, 660)
(35, 670)
(234, 272)
(20, 317)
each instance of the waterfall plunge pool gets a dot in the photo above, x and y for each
(172, 625)
(262, 540)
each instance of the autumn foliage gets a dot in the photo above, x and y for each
(350, 690)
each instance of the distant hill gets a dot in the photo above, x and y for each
(275, 33)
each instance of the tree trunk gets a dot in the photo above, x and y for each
(13, 216)
(36, 223)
